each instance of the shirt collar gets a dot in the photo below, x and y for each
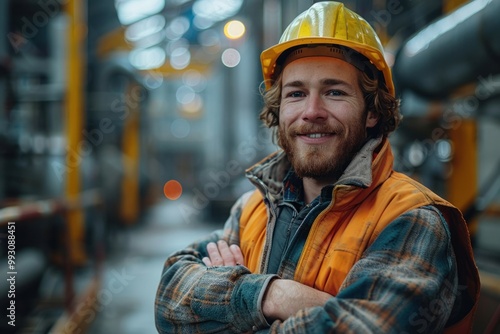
(292, 187)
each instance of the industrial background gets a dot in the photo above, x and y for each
(126, 125)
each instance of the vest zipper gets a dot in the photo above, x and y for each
(318, 218)
(297, 232)
(288, 239)
(271, 214)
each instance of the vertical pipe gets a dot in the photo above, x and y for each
(462, 184)
(129, 205)
(272, 18)
(74, 111)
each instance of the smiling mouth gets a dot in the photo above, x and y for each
(317, 135)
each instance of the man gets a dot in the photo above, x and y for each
(332, 239)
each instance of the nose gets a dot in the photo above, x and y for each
(314, 110)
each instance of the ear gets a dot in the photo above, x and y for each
(371, 119)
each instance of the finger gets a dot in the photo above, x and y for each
(207, 261)
(237, 254)
(227, 255)
(214, 255)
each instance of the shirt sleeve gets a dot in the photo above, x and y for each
(405, 282)
(193, 298)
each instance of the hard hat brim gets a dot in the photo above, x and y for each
(270, 56)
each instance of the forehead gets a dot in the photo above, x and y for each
(319, 68)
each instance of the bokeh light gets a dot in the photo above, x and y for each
(172, 190)
(180, 128)
(231, 57)
(146, 59)
(234, 29)
(180, 58)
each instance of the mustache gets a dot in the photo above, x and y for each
(314, 128)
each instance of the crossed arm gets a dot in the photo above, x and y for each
(395, 287)
(282, 299)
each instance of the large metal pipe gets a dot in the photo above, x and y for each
(455, 50)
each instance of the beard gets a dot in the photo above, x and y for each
(321, 162)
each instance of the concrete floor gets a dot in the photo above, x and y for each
(132, 272)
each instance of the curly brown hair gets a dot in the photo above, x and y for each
(377, 99)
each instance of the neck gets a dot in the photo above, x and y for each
(312, 187)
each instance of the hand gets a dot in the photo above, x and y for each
(284, 298)
(220, 254)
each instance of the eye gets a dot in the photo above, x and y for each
(335, 92)
(295, 94)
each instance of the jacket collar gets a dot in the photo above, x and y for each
(370, 166)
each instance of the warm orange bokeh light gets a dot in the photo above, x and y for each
(172, 190)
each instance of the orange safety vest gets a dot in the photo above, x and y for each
(354, 219)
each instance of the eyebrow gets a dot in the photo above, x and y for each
(324, 82)
(296, 83)
(333, 82)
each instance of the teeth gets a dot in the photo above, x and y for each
(316, 135)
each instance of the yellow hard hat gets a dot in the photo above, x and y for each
(328, 22)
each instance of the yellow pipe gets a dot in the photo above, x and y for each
(74, 109)
(463, 184)
(129, 205)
